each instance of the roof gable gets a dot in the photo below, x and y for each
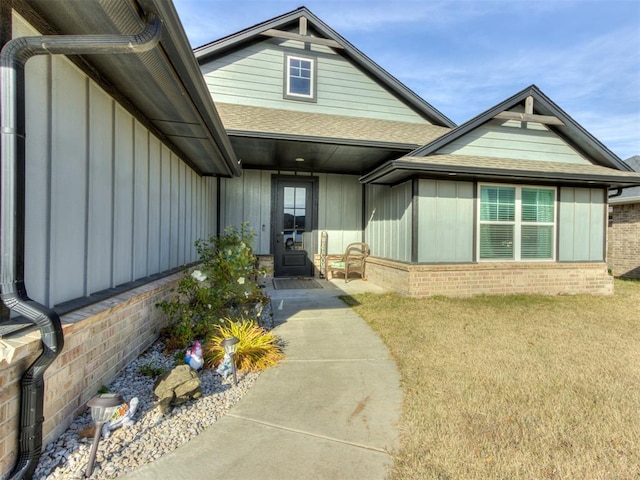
(438, 158)
(284, 26)
(560, 125)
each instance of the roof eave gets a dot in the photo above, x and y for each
(405, 169)
(624, 200)
(325, 140)
(181, 57)
(210, 152)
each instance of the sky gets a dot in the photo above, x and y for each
(466, 56)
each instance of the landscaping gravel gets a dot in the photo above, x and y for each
(152, 434)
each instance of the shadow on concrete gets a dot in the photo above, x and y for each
(288, 303)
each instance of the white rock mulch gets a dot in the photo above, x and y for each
(152, 434)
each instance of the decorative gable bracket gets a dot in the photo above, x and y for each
(529, 116)
(302, 36)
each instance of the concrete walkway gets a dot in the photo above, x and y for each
(328, 411)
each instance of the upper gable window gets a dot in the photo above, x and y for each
(300, 78)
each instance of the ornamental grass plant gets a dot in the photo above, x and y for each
(258, 348)
(517, 387)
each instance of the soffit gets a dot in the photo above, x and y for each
(164, 86)
(270, 153)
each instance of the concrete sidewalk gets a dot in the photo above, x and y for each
(328, 411)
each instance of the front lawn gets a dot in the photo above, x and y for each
(517, 387)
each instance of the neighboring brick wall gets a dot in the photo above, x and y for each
(99, 341)
(266, 262)
(464, 280)
(623, 248)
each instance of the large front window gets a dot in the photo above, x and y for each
(516, 223)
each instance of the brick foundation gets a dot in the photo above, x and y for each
(623, 248)
(466, 280)
(99, 341)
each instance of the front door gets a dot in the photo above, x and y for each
(293, 225)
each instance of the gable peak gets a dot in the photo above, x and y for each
(296, 25)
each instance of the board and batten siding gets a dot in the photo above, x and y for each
(106, 202)
(388, 221)
(248, 199)
(445, 221)
(254, 76)
(514, 139)
(340, 211)
(581, 224)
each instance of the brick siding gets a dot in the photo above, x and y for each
(99, 341)
(623, 247)
(464, 280)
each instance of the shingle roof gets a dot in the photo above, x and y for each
(634, 162)
(629, 195)
(500, 167)
(338, 127)
(522, 165)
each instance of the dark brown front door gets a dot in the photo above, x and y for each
(293, 222)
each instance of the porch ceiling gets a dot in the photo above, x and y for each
(320, 155)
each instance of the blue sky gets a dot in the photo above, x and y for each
(465, 56)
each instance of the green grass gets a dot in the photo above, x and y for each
(515, 387)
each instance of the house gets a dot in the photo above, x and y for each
(123, 161)
(624, 229)
(512, 201)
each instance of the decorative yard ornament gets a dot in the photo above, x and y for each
(103, 407)
(230, 346)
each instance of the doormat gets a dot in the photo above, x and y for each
(295, 283)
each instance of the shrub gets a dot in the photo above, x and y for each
(257, 350)
(150, 370)
(221, 286)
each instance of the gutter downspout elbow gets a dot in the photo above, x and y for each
(13, 291)
(617, 193)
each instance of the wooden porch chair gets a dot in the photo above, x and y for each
(354, 260)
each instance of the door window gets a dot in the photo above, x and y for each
(294, 221)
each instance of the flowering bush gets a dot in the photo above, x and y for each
(223, 285)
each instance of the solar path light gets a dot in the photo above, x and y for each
(103, 407)
(230, 346)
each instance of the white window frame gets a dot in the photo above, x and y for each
(517, 223)
(311, 97)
